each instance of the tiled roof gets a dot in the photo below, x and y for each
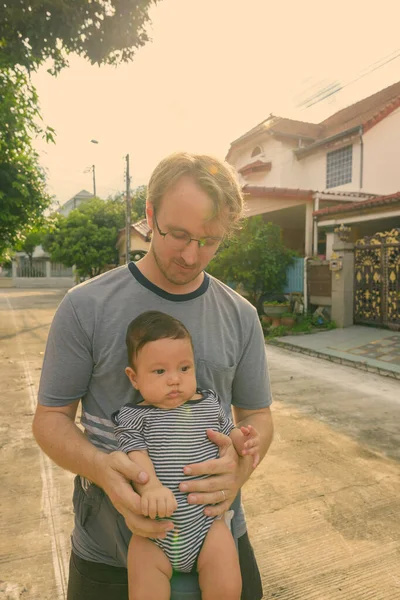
(270, 192)
(367, 113)
(364, 112)
(142, 227)
(256, 167)
(350, 194)
(279, 126)
(289, 127)
(359, 206)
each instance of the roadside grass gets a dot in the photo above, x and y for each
(304, 325)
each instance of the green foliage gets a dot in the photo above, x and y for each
(23, 196)
(308, 324)
(279, 331)
(32, 31)
(29, 240)
(255, 258)
(275, 303)
(87, 237)
(139, 203)
(102, 31)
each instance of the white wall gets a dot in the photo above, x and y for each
(381, 172)
(381, 156)
(312, 174)
(309, 173)
(272, 152)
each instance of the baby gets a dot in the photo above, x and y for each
(163, 433)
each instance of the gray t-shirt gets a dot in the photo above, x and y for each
(86, 357)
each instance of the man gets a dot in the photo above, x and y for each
(193, 202)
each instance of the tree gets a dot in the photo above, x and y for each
(102, 31)
(30, 240)
(23, 196)
(87, 237)
(32, 31)
(139, 203)
(256, 258)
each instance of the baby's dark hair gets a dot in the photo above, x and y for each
(151, 326)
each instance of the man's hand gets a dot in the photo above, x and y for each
(114, 474)
(158, 501)
(226, 477)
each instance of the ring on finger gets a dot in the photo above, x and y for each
(223, 495)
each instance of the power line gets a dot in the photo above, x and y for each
(337, 87)
(330, 90)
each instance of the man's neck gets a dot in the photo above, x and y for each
(149, 268)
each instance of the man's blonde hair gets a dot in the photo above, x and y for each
(213, 176)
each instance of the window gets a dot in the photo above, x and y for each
(256, 151)
(339, 167)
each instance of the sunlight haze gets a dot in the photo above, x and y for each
(213, 70)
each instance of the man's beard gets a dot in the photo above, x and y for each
(191, 274)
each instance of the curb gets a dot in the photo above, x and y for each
(355, 364)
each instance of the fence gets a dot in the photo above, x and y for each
(5, 272)
(59, 270)
(41, 273)
(36, 269)
(295, 277)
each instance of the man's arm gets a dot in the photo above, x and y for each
(261, 419)
(61, 439)
(229, 471)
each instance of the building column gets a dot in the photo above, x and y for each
(330, 240)
(48, 269)
(14, 269)
(343, 284)
(308, 225)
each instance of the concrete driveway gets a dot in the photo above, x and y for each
(323, 508)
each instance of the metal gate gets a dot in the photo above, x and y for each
(377, 280)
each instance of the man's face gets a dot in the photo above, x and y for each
(184, 208)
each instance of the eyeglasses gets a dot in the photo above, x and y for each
(178, 239)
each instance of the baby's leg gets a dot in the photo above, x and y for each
(218, 565)
(149, 571)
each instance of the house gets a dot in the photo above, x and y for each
(297, 173)
(41, 272)
(74, 202)
(140, 241)
(364, 218)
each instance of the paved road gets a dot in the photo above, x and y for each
(323, 508)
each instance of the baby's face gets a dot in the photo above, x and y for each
(164, 372)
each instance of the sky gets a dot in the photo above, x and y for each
(213, 70)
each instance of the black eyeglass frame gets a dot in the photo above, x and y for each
(201, 242)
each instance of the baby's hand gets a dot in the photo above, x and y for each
(158, 501)
(248, 443)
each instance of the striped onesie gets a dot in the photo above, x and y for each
(175, 438)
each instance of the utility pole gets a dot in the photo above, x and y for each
(127, 212)
(94, 180)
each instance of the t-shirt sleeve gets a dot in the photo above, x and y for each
(68, 361)
(251, 388)
(129, 425)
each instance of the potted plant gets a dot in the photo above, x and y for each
(288, 319)
(275, 309)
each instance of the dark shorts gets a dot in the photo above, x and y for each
(95, 581)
